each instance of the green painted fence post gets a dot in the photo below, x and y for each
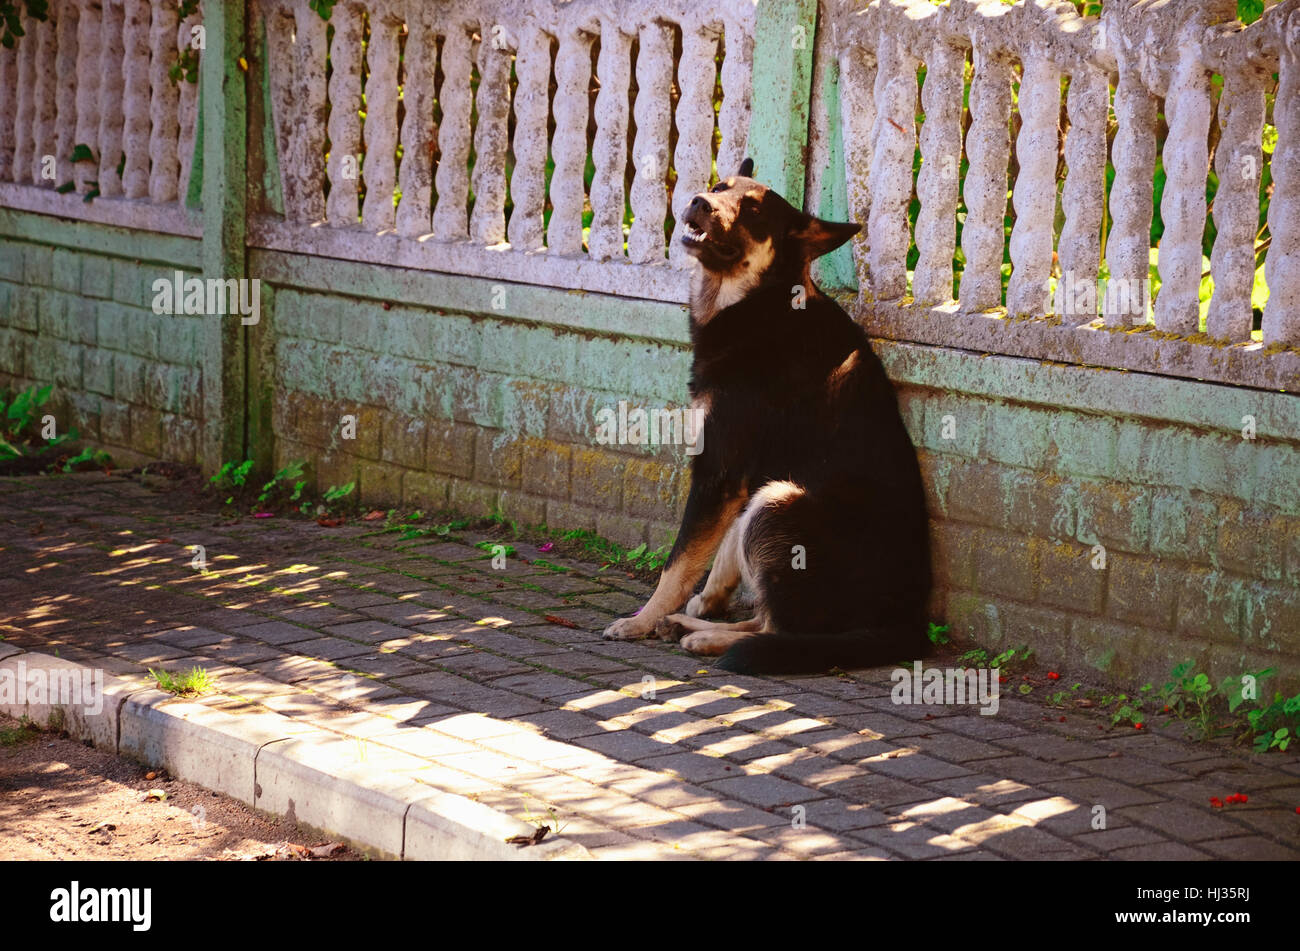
(784, 34)
(225, 132)
(836, 269)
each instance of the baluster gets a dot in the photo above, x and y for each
(111, 94)
(43, 118)
(696, 77)
(614, 70)
(1282, 268)
(1034, 194)
(164, 169)
(312, 107)
(1131, 200)
(70, 64)
(415, 175)
(344, 122)
(936, 185)
(450, 218)
(1238, 162)
(988, 147)
(8, 110)
(491, 138)
(187, 110)
(528, 182)
(135, 75)
(654, 72)
(1182, 206)
(569, 145)
(737, 84)
(893, 144)
(378, 212)
(1083, 197)
(858, 108)
(23, 138)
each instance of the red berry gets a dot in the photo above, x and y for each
(1137, 726)
(1062, 719)
(1216, 802)
(1053, 675)
(1242, 797)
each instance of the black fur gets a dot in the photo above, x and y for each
(798, 395)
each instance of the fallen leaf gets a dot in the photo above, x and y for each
(562, 621)
(372, 516)
(102, 826)
(327, 851)
(330, 522)
(263, 515)
(155, 795)
(151, 775)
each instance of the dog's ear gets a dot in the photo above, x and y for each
(817, 237)
(746, 169)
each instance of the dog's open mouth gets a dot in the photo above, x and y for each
(696, 239)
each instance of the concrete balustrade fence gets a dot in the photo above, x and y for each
(96, 74)
(1163, 61)
(479, 62)
(462, 216)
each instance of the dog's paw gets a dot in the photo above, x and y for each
(628, 629)
(698, 607)
(670, 629)
(705, 643)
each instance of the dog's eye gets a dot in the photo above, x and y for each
(720, 187)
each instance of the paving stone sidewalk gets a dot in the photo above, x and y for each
(499, 681)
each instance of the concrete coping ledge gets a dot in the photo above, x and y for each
(373, 797)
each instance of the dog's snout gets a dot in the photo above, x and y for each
(699, 206)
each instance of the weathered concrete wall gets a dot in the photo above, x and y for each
(1029, 465)
(473, 412)
(75, 311)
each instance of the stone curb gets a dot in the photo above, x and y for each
(368, 795)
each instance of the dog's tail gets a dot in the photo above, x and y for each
(818, 653)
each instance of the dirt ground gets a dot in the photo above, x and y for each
(60, 799)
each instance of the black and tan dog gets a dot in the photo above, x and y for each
(808, 487)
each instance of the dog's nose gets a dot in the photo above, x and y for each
(699, 205)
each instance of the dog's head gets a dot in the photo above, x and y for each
(741, 231)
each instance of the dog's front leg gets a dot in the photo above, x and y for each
(711, 507)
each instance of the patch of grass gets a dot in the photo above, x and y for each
(191, 683)
(24, 732)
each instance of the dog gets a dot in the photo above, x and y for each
(808, 487)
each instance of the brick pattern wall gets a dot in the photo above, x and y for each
(129, 380)
(1200, 530)
(1200, 534)
(475, 414)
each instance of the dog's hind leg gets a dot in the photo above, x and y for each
(676, 626)
(712, 641)
(723, 578)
